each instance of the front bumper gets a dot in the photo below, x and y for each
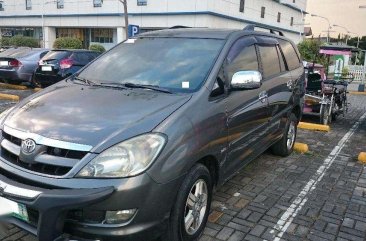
(153, 202)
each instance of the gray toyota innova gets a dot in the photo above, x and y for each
(131, 146)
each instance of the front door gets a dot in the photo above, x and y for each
(247, 110)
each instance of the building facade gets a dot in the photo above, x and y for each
(102, 21)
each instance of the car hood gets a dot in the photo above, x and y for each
(93, 116)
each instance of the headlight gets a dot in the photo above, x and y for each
(128, 158)
(5, 113)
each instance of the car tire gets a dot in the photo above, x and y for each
(192, 204)
(285, 146)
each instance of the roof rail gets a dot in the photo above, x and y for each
(179, 26)
(251, 27)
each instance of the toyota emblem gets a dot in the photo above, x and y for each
(28, 146)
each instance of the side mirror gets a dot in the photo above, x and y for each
(244, 80)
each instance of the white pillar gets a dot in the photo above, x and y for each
(49, 36)
(121, 34)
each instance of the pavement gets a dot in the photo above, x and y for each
(320, 195)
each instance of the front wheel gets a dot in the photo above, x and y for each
(285, 145)
(190, 212)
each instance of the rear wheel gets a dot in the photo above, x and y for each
(325, 118)
(285, 145)
(191, 209)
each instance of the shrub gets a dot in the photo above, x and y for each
(68, 43)
(5, 41)
(97, 47)
(22, 41)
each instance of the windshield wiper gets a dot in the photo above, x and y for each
(150, 87)
(86, 81)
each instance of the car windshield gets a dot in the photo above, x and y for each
(16, 52)
(176, 64)
(56, 55)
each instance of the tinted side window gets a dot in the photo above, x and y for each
(246, 59)
(282, 62)
(291, 56)
(270, 61)
(81, 58)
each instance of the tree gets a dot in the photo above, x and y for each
(309, 50)
(124, 2)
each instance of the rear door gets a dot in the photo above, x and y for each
(276, 79)
(247, 110)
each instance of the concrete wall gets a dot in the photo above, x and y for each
(157, 14)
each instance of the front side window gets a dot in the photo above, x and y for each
(176, 64)
(270, 61)
(292, 59)
(28, 4)
(244, 59)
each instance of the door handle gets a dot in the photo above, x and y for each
(263, 96)
(290, 84)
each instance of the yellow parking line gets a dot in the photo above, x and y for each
(301, 147)
(362, 157)
(357, 93)
(315, 127)
(37, 89)
(9, 97)
(13, 87)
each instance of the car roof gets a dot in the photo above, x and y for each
(191, 33)
(76, 50)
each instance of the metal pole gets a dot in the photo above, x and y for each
(43, 32)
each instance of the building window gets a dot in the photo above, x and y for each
(1, 5)
(292, 21)
(263, 12)
(100, 35)
(278, 17)
(141, 2)
(98, 3)
(28, 4)
(241, 7)
(60, 4)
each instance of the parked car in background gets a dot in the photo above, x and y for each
(17, 65)
(131, 147)
(60, 64)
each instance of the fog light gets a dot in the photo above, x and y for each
(117, 217)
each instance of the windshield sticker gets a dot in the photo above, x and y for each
(185, 85)
(130, 41)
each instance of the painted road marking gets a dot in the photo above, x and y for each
(315, 127)
(287, 218)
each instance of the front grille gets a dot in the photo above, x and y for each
(33, 216)
(38, 167)
(49, 168)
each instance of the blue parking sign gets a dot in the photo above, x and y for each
(133, 30)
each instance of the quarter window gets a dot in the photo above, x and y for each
(270, 61)
(292, 59)
(246, 59)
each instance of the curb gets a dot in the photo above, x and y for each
(357, 93)
(315, 127)
(362, 157)
(9, 97)
(13, 87)
(37, 89)
(301, 147)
